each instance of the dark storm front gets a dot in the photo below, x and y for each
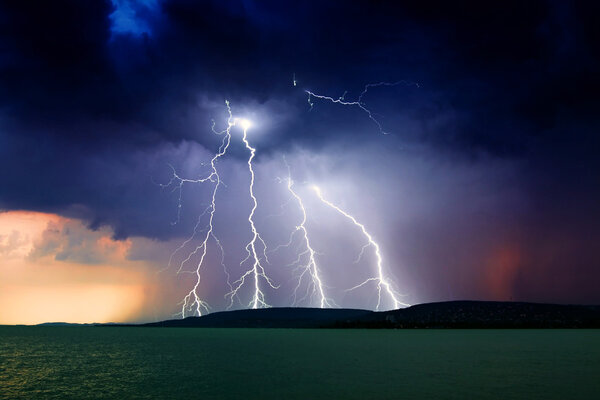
(92, 362)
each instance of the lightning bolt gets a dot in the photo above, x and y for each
(309, 267)
(192, 303)
(359, 101)
(383, 283)
(257, 270)
(309, 274)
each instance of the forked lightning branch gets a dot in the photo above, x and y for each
(310, 287)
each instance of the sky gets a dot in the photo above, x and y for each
(477, 176)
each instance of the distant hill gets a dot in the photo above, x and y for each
(286, 317)
(453, 314)
(483, 314)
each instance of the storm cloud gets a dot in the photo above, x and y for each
(487, 185)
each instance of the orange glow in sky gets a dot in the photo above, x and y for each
(56, 269)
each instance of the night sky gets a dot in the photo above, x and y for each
(485, 185)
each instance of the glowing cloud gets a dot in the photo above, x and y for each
(55, 269)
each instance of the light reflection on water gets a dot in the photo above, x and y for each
(95, 362)
(78, 362)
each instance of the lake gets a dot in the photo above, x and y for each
(203, 363)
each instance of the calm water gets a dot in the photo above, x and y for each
(162, 363)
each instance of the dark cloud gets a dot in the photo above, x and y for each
(97, 98)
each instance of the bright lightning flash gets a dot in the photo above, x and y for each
(192, 303)
(383, 283)
(245, 124)
(310, 266)
(256, 248)
(257, 271)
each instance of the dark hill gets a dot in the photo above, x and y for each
(484, 314)
(452, 314)
(270, 318)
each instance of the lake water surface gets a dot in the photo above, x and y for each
(164, 363)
